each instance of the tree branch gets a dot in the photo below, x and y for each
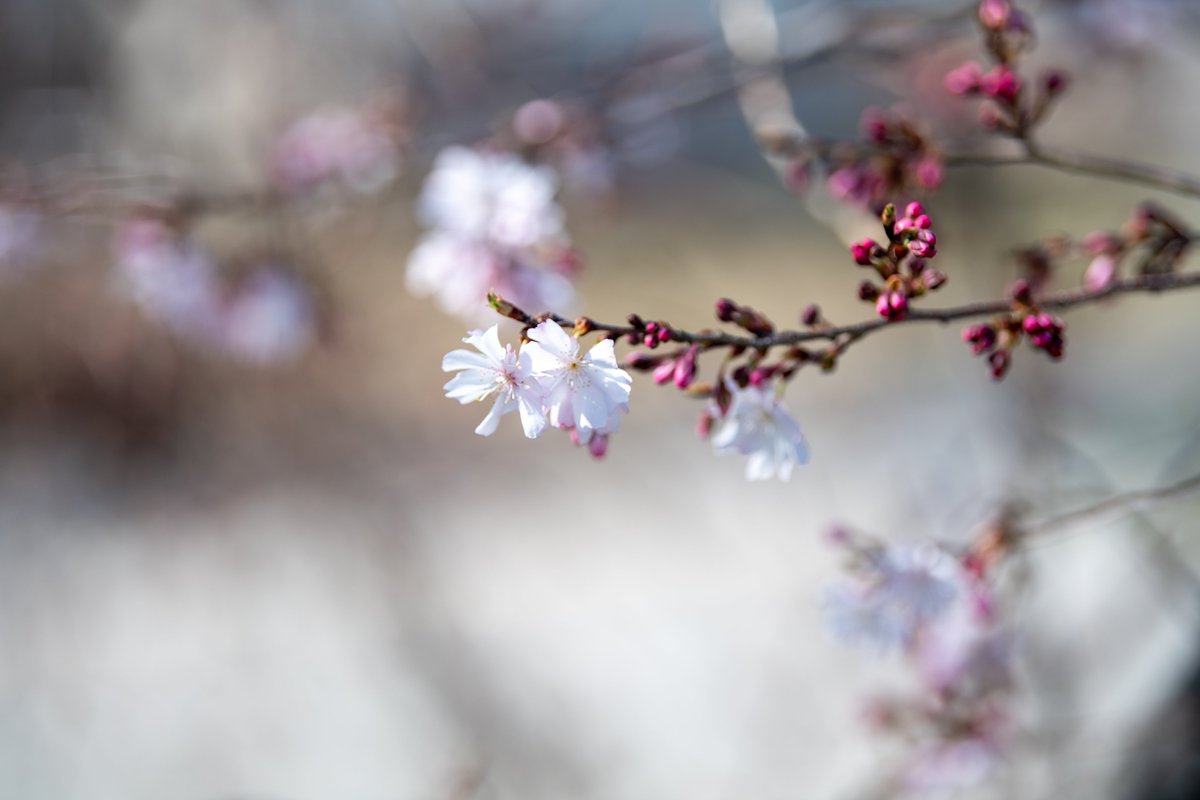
(1070, 298)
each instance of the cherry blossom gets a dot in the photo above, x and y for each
(494, 225)
(584, 391)
(335, 143)
(173, 281)
(759, 425)
(497, 372)
(269, 319)
(900, 589)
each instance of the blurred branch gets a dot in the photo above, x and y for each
(1117, 506)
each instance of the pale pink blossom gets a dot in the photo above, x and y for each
(759, 425)
(340, 144)
(270, 318)
(899, 590)
(584, 391)
(500, 374)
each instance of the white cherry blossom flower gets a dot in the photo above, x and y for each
(494, 225)
(497, 372)
(584, 391)
(759, 425)
(491, 196)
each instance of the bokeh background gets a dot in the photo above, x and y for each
(311, 580)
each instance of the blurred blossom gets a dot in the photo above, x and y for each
(898, 590)
(947, 766)
(760, 426)
(344, 145)
(172, 281)
(270, 318)
(18, 239)
(494, 225)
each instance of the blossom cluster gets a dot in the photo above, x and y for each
(354, 148)
(1010, 106)
(268, 316)
(894, 155)
(901, 263)
(493, 224)
(942, 613)
(548, 381)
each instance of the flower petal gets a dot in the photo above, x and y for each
(499, 408)
(465, 359)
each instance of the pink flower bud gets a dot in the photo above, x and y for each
(685, 368)
(867, 291)
(999, 361)
(874, 125)
(932, 279)
(665, 371)
(641, 361)
(538, 121)
(811, 314)
(914, 210)
(930, 173)
(995, 14)
(664, 334)
(598, 446)
(862, 252)
(964, 79)
(725, 309)
(1100, 274)
(1054, 81)
(1001, 84)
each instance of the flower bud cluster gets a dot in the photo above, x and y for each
(901, 263)
(894, 156)
(998, 337)
(1011, 107)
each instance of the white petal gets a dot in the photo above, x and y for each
(471, 385)
(499, 408)
(465, 359)
(760, 467)
(488, 343)
(550, 335)
(591, 409)
(603, 354)
(533, 416)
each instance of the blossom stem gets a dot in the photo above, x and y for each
(845, 334)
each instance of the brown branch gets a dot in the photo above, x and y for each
(1070, 298)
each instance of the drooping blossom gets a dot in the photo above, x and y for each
(585, 392)
(759, 425)
(350, 146)
(498, 373)
(493, 224)
(900, 589)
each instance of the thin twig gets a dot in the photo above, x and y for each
(1118, 505)
(1058, 301)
